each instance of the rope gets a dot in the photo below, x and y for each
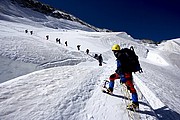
(125, 91)
(130, 113)
(126, 94)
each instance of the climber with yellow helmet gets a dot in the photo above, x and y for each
(124, 75)
(115, 47)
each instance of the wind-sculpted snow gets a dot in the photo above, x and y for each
(156, 59)
(56, 93)
(171, 46)
(22, 49)
(11, 69)
(69, 87)
(63, 93)
(171, 51)
(64, 62)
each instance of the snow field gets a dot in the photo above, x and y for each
(69, 86)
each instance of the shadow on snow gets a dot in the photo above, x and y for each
(163, 113)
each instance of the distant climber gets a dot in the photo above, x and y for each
(58, 40)
(26, 31)
(31, 32)
(78, 47)
(96, 56)
(100, 59)
(66, 43)
(87, 51)
(47, 37)
(147, 51)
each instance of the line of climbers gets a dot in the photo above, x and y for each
(58, 40)
(99, 58)
(31, 32)
(121, 71)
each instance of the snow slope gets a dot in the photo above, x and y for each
(59, 82)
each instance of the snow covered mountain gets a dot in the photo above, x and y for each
(42, 79)
(42, 14)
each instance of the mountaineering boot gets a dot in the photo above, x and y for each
(110, 90)
(133, 106)
(107, 90)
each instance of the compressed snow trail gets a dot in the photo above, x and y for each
(103, 106)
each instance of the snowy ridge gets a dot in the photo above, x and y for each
(162, 111)
(13, 12)
(44, 80)
(171, 46)
(147, 93)
(155, 58)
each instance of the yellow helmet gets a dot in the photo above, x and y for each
(116, 47)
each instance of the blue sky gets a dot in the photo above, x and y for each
(142, 19)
